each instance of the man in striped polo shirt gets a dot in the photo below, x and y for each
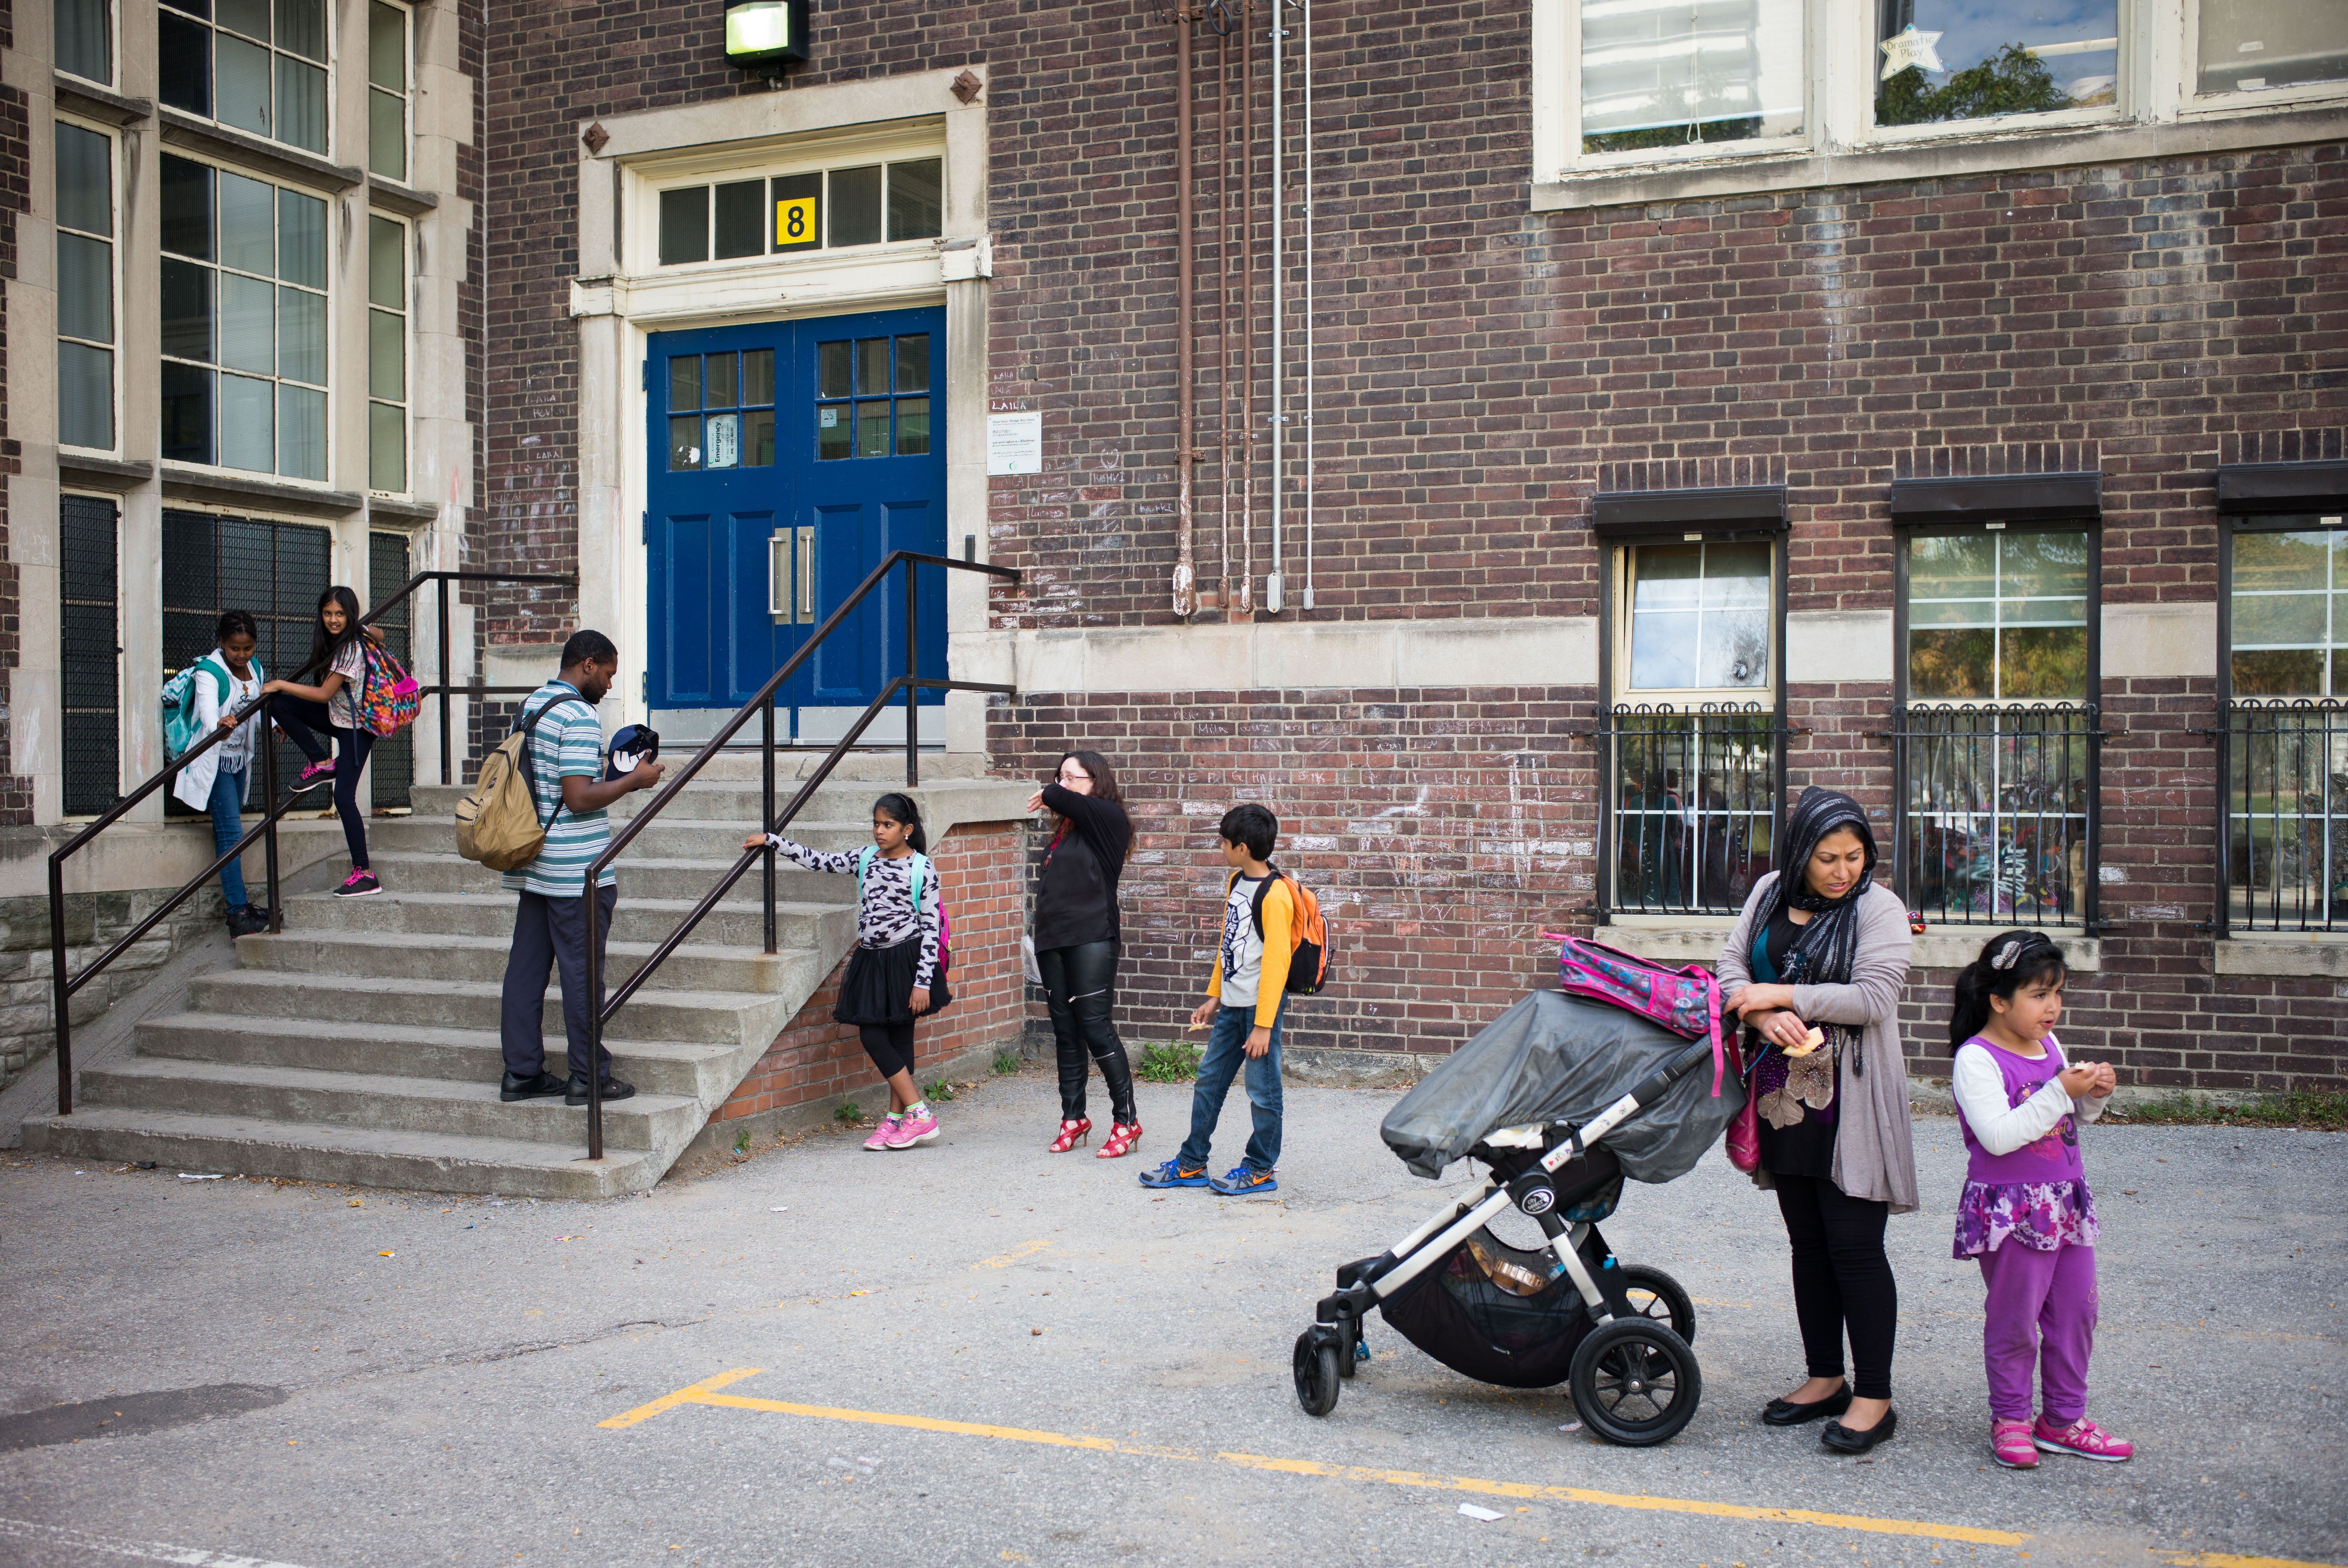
(566, 755)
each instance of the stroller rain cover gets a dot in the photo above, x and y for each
(1556, 1058)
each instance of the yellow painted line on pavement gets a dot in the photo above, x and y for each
(1024, 1249)
(687, 1395)
(2228, 1560)
(705, 1393)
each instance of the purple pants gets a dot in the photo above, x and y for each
(2042, 1314)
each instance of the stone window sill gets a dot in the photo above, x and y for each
(2290, 955)
(1699, 938)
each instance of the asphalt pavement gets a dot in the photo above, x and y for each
(976, 1352)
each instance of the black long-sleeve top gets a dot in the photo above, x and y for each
(1075, 898)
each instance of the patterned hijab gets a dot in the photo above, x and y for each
(1823, 952)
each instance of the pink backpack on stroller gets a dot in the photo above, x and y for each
(1685, 1000)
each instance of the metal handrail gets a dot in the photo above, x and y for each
(62, 985)
(600, 1012)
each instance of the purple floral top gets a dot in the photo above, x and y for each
(2036, 1194)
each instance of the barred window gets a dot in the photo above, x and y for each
(89, 649)
(391, 767)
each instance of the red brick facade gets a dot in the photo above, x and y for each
(981, 869)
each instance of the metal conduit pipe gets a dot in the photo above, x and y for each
(1244, 609)
(1185, 577)
(1274, 588)
(1223, 596)
(1311, 257)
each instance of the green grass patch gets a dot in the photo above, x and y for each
(2318, 1109)
(1005, 1063)
(1171, 1063)
(940, 1089)
(849, 1115)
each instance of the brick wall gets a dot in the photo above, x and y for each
(15, 189)
(979, 866)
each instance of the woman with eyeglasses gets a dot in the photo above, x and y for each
(1076, 936)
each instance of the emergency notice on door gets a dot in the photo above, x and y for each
(1015, 442)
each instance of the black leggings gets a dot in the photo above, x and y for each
(1842, 1281)
(301, 722)
(890, 1045)
(1080, 993)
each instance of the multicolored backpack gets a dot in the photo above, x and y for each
(389, 695)
(1685, 1000)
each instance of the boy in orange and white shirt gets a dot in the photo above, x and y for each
(1244, 997)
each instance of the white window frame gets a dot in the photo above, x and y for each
(330, 388)
(2157, 113)
(407, 359)
(329, 64)
(114, 280)
(641, 226)
(113, 50)
(1763, 690)
(407, 93)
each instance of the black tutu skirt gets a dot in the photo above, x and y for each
(879, 984)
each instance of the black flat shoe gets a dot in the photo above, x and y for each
(576, 1094)
(544, 1084)
(1785, 1413)
(1843, 1440)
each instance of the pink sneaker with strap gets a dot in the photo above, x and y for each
(884, 1131)
(2010, 1445)
(919, 1126)
(2084, 1438)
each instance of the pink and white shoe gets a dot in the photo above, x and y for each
(311, 776)
(914, 1129)
(2010, 1445)
(2084, 1438)
(884, 1131)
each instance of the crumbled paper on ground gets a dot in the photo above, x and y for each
(1571, 1427)
(189, 1176)
(1472, 1512)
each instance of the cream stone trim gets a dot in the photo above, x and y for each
(1834, 645)
(2160, 642)
(1698, 939)
(2292, 955)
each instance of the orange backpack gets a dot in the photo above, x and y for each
(1308, 936)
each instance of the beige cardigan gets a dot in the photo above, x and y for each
(1875, 1156)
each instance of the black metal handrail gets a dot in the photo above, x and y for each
(2283, 784)
(62, 985)
(1983, 790)
(600, 1012)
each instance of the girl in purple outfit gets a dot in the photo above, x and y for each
(2026, 1213)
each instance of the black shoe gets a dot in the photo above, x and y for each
(244, 920)
(537, 1087)
(1843, 1440)
(1785, 1413)
(613, 1090)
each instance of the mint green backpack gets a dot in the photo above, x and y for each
(179, 731)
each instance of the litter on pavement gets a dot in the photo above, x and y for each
(187, 1176)
(1472, 1512)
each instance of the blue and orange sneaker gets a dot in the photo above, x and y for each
(1240, 1181)
(1174, 1173)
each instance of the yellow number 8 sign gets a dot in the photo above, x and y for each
(795, 221)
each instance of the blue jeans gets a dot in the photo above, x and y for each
(228, 827)
(1226, 1053)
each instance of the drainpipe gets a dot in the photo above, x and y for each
(1274, 587)
(1186, 579)
(1223, 596)
(1311, 258)
(1244, 609)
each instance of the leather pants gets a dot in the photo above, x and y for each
(1080, 992)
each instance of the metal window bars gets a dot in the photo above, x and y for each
(1693, 812)
(2284, 828)
(1998, 815)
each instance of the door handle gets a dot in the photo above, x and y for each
(778, 574)
(806, 596)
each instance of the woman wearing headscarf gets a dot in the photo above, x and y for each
(1821, 945)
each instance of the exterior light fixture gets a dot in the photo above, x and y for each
(760, 32)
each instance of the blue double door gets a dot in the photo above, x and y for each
(787, 459)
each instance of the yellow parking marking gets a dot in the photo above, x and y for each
(687, 1395)
(705, 1393)
(1024, 1249)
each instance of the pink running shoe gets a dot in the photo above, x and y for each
(2010, 1445)
(2083, 1438)
(914, 1129)
(884, 1131)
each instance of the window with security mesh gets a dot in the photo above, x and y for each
(391, 765)
(90, 654)
(273, 570)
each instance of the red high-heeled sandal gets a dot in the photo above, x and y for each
(1072, 1133)
(1122, 1137)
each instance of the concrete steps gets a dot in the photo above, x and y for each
(361, 1044)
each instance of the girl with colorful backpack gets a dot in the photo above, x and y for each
(896, 972)
(339, 648)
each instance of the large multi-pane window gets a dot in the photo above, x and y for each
(388, 54)
(1976, 59)
(1659, 73)
(2287, 725)
(256, 66)
(243, 322)
(1997, 727)
(86, 287)
(89, 652)
(1693, 736)
(387, 354)
(2248, 46)
(790, 213)
(84, 38)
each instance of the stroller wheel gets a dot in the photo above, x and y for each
(1656, 1295)
(1349, 1336)
(1316, 1363)
(1635, 1382)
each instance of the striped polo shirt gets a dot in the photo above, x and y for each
(567, 744)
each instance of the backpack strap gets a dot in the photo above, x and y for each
(1262, 891)
(864, 859)
(530, 762)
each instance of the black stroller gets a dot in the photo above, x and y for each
(1563, 1099)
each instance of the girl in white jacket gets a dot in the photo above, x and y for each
(218, 781)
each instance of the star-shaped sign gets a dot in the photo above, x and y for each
(1909, 47)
